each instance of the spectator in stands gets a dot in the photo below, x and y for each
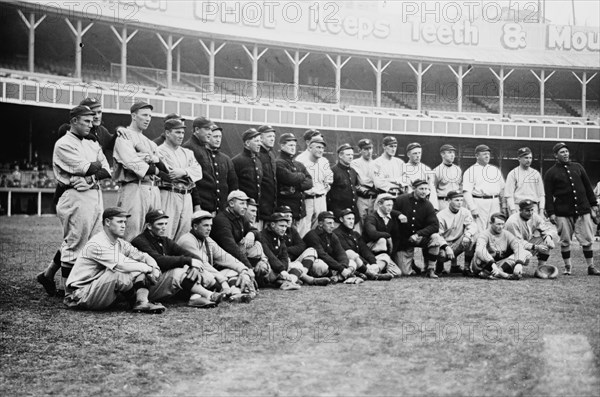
(181, 270)
(483, 185)
(319, 170)
(171, 116)
(16, 176)
(389, 172)
(105, 139)
(3, 181)
(447, 176)
(268, 188)
(525, 183)
(416, 170)
(218, 173)
(248, 166)
(373, 267)
(419, 230)
(137, 169)
(365, 190)
(292, 178)
(342, 194)
(458, 233)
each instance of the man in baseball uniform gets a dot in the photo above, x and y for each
(79, 164)
(458, 232)
(389, 172)
(447, 176)
(171, 116)
(184, 172)
(268, 159)
(109, 267)
(365, 190)
(571, 205)
(105, 139)
(137, 170)
(248, 166)
(537, 235)
(342, 194)
(524, 183)
(415, 169)
(483, 185)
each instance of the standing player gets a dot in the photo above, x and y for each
(268, 186)
(389, 172)
(248, 166)
(78, 164)
(524, 183)
(363, 166)
(184, 172)
(137, 168)
(345, 181)
(447, 176)
(105, 139)
(483, 186)
(171, 116)
(571, 205)
(416, 170)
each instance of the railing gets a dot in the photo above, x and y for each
(119, 98)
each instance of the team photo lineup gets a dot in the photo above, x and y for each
(290, 198)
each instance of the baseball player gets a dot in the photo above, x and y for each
(389, 172)
(524, 183)
(248, 166)
(415, 169)
(342, 194)
(268, 159)
(109, 267)
(483, 186)
(137, 170)
(571, 205)
(184, 172)
(447, 176)
(537, 235)
(252, 213)
(363, 166)
(78, 164)
(498, 253)
(458, 232)
(171, 116)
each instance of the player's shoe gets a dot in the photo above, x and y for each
(47, 283)
(148, 307)
(567, 271)
(431, 274)
(592, 271)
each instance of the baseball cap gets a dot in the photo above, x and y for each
(412, 146)
(383, 197)
(251, 201)
(559, 146)
(172, 124)
(365, 143)
(418, 182)
(237, 194)
(309, 134)
(80, 111)
(284, 209)
(526, 204)
(91, 103)
(155, 215)
(112, 212)
(249, 134)
(447, 148)
(201, 215)
(345, 212)
(201, 122)
(215, 127)
(278, 216)
(317, 139)
(285, 138)
(173, 116)
(325, 215)
(482, 148)
(389, 140)
(454, 193)
(140, 105)
(524, 151)
(263, 129)
(343, 147)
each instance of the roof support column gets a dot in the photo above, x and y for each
(296, 62)
(124, 39)
(78, 32)
(31, 26)
(169, 47)
(542, 79)
(338, 65)
(378, 72)
(460, 75)
(419, 72)
(584, 82)
(211, 52)
(501, 78)
(254, 58)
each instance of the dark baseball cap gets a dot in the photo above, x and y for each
(411, 146)
(263, 129)
(80, 111)
(155, 215)
(285, 138)
(418, 182)
(343, 147)
(140, 105)
(317, 139)
(389, 140)
(278, 216)
(249, 134)
(91, 103)
(215, 127)
(252, 202)
(174, 116)
(345, 212)
(365, 143)
(559, 146)
(173, 124)
(309, 134)
(447, 148)
(325, 215)
(201, 122)
(454, 193)
(524, 151)
(284, 209)
(112, 212)
(482, 148)
(526, 204)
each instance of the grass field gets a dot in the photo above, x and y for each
(410, 336)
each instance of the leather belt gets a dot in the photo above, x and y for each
(486, 197)
(94, 186)
(367, 195)
(138, 182)
(175, 190)
(445, 198)
(313, 196)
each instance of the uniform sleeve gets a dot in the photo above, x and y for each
(509, 190)
(68, 158)
(442, 229)
(287, 177)
(481, 250)
(232, 179)
(470, 224)
(193, 169)
(432, 224)
(589, 190)
(298, 245)
(370, 229)
(276, 263)
(224, 259)
(379, 179)
(338, 252)
(165, 262)
(126, 155)
(223, 236)
(365, 251)
(549, 189)
(539, 187)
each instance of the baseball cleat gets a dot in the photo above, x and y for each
(431, 274)
(289, 286)
(148, 307)
(567, 271)
(47, 283)
(201, 302)
(592, 271)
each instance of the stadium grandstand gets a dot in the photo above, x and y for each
(350, 69)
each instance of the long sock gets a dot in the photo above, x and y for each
(589, 257)
(54, 266)
(141, 295)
